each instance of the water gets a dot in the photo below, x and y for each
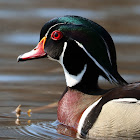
(51, 13)
(40, 131)
(31, 39)
(35, 84)
(21, 78)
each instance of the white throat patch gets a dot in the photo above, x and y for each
(71, 80)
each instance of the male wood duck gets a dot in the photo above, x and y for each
(86, 51)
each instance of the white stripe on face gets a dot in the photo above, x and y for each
(71, 80)
(53, 27)
(94, 60)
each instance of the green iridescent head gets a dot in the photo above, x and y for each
(72, 39)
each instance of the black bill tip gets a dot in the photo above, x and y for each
(19, 59)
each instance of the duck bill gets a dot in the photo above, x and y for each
(37, 52)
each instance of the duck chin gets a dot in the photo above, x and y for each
(72, 80)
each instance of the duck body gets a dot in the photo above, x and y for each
(118, 117)
(107, 115)
(86, 51)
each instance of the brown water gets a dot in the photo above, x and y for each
(37, 83)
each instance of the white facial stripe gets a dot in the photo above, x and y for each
(71, 80)
(52, 27)
(84, 115)
(80, 45)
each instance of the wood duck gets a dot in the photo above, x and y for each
(86, 51)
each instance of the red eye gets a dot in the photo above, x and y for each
(56, 35)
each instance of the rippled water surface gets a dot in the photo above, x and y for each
(36, 84)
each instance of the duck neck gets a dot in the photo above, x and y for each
(85, 82)
(81, 73)
(89, 82)
(77, 98)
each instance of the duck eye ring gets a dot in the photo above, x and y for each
(56, 35)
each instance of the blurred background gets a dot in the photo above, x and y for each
(37, 83)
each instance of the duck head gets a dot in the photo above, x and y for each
(79, 45)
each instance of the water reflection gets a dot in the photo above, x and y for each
(51, 13)
(56, 12)
(51, 79)
(25, 78)
(32, 39)
(126, 39)
(42, 130)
